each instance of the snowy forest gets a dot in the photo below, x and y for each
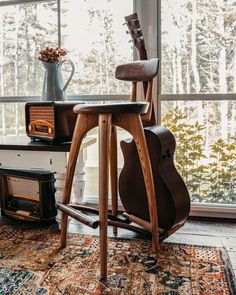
(198, 56)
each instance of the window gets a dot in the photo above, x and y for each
(25, 29)
(196, 40)
(93, 34)
(198, 43)
(95, 37)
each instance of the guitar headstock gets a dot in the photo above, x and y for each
(136, 34)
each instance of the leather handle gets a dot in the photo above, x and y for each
(49, 128)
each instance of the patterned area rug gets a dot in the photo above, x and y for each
(32, 263)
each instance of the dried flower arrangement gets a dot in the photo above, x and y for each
(51, 55)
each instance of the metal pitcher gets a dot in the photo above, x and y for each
(53, 85)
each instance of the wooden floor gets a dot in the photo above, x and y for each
(196, 232)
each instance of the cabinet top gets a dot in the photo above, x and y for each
(25, 143)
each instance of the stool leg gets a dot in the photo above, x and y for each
(104, 138)
(84, 123)
(133, 124)
(113, 173)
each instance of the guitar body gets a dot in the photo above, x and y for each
(172, 197)
(173, 201)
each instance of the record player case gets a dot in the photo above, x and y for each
(50, 121)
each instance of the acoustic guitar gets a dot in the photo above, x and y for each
(173, 201)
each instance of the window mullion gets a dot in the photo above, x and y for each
(59, 22)
(14, 2)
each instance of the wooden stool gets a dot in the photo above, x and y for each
(107, 118)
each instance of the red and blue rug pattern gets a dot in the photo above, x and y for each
(31, 262)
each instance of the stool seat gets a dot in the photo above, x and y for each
(125, 107)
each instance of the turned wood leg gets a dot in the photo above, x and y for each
(104, 139)
(84, 123)
(133, 124)
(113, 173)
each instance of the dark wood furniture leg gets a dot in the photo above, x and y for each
(113, 174)
(104, 141)
(84, 123)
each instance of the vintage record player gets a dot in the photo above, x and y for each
(51, 121)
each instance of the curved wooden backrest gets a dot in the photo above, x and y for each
(140, 71)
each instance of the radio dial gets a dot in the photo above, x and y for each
(11, 203)
(30, 128)
(36, 210)
(50, 130)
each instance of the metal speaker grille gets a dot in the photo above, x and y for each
(23, 188)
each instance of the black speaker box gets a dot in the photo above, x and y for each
(27, 194)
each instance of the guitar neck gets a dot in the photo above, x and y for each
(142, 53)
(136, 33)
(142, 56)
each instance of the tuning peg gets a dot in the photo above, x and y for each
(135, 20)
(140, 39)
(135, 33)
(131, 22)
(136, 30)
(137, 40)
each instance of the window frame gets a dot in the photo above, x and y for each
(15, 99)
(154, 7)
(153, 44)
